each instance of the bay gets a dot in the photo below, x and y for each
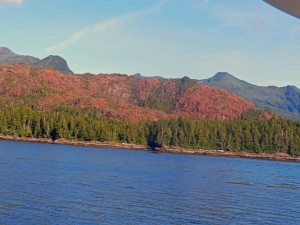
(59, 184)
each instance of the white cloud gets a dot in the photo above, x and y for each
(105, 26)
(16, 2)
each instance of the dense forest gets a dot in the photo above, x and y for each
(248, 135)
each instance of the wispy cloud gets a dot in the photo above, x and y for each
(106, 26)
(16, 2)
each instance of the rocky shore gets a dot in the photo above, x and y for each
(106, 144)
(165, 149)
(266, 156)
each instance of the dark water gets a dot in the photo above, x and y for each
(55, 184)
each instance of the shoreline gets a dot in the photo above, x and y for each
(106, 144)
(263, 156)
(165, 149)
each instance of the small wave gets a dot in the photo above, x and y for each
(23, 158)
(290, 187)
(238, 183)
(128, 187)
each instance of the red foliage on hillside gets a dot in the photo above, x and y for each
(117, 96)
(205, 102)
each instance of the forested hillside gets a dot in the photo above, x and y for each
(43, 103)
(255, 136)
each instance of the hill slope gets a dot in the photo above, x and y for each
(44, 103)
(54, 62)
(118, 96)
(283, 100)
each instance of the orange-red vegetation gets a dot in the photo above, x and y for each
(205, 102)
(116, 96)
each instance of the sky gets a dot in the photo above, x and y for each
(169, 38)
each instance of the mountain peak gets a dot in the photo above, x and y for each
(55, 57)
(55, 62)
(292, 87)
(222, 75)
(4, 50)
(283, 100)
(223, 79)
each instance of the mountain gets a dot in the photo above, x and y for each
(44, 103)
(138, 75)
(118, 96)
(55, 62)
(283, 100)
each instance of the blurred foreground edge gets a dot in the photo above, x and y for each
(291, 7)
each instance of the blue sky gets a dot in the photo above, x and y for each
(169, 38)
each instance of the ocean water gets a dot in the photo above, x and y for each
(57, 184)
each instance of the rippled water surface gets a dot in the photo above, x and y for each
(56, 184)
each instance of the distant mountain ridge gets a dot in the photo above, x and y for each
(54, 62)
(283, 100)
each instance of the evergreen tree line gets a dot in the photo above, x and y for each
(270, 136)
